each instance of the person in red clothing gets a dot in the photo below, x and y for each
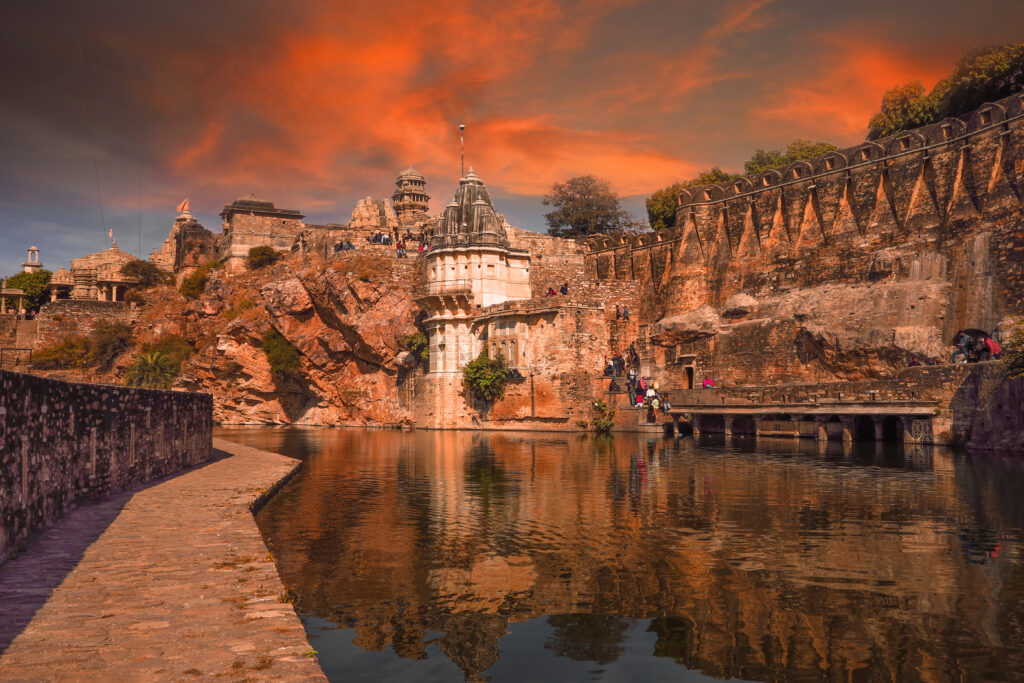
(993, 347)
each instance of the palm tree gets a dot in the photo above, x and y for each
(151, 371)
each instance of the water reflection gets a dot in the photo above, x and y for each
(539, 557)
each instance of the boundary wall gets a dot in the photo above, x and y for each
(62, 443)
(836, 217)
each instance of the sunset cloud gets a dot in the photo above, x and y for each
(314, 105)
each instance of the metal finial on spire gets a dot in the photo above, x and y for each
(462, 150)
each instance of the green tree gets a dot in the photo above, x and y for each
(176, 348)
(903, 107)
(602, 417)
(661, 205)
(153, 370)
(34, 286)
(418, 345)
(584, 206)
(193, 286)
(145, 273)
(107, 342)
(260, 257)
(797, 150)
(982, 75)
(485, 378)
(281, 355)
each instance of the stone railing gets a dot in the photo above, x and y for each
(62, 443)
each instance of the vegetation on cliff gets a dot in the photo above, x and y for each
(97, 350)
(151, 371)
(983, 75)
(584, 206)
(34, 286)
(1013, 352)
(418, 345)
(281, 355)
(485, 377)
(260, 257)
(193, 286)
(145, 273)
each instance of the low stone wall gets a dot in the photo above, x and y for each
(62, 442)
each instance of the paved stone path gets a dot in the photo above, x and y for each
(171, 582)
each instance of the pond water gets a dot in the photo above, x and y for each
(449, 556)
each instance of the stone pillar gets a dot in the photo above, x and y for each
(878, 420)
(906, 436)
(847, 422)
(53, 294)
(822, 421)
(757, 426)
(728, 425)
(695, 423)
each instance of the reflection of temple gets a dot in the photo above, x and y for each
(840, 572)
(96, 277)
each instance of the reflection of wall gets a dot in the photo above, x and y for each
(830, 568)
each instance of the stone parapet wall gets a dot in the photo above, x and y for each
(62, 443)
(64, 317)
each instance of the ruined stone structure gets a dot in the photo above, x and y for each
(250, 222)
(373, 215)
(63, 443)
(188, 246)
(411, 199)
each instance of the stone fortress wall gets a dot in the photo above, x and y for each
(842, 267)
(62, 443)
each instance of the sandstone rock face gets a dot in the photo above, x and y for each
(348, 334)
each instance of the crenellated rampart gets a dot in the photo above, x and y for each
(847, 265)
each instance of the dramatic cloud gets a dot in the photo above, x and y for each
(312, 105)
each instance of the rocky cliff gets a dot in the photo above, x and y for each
(345, 317)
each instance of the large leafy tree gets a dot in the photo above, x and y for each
(146, 273)
(982, 75)
(906, 106)
(661, 206)
(584, 206)
(34, 286)
(798, 150)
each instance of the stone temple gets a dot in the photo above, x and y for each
(470, 266)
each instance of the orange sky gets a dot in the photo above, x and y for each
(315, 104)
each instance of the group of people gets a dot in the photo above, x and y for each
(379, 238)
(563, 290)
(975, 348)
(642, 391)
(344, 246)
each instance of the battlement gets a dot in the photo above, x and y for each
(924, 170)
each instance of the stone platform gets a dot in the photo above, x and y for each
(168, 582)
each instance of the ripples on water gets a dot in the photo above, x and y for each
(445, 556)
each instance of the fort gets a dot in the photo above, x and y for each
(838, 272)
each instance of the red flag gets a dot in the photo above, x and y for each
(183, 206)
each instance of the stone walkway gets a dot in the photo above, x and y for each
(171, 582)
